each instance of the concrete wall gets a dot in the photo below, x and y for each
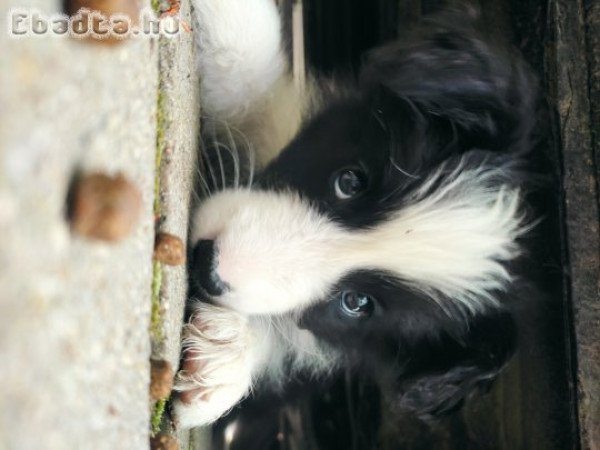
(75, 312)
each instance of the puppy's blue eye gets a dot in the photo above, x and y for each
(356, 304)
(348, 183)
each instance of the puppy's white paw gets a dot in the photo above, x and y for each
(239, 50)
(217, 366)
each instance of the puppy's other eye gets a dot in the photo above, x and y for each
(348, 183)
(355, 304)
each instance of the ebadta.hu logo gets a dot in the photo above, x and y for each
(86, 23)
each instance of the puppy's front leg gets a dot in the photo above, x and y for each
(245, 79)
(218, 363)
(240, 55)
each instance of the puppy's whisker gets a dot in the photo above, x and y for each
(250, 155)
(233, 150)
(206, 158)
(211, 172)
(197, 197)
(204, 184)
(235, 161)
(221, 166)
(251, 164)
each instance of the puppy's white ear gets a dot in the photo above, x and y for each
(450, 75)
(456, 367)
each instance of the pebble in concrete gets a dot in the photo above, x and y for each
(169, 249)
(104, 207)
(161, 379)
(164, 442)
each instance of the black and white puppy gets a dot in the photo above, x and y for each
(382, 226)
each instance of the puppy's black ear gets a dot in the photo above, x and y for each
(447, 371)
(449, 75)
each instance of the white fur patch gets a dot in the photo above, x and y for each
(239, 53)
(279, 254)
(286, 349)
(453, 238)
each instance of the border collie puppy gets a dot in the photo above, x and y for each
(381, 230)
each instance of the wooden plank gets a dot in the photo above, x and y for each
(592, 25)
(581, 207)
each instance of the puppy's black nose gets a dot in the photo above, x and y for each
(203, 270)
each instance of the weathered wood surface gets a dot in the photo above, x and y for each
(576, 80)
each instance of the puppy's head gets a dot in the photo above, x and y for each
(391, 220)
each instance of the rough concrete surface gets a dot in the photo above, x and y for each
(180, 126)
(74, 313)
(179, 133)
